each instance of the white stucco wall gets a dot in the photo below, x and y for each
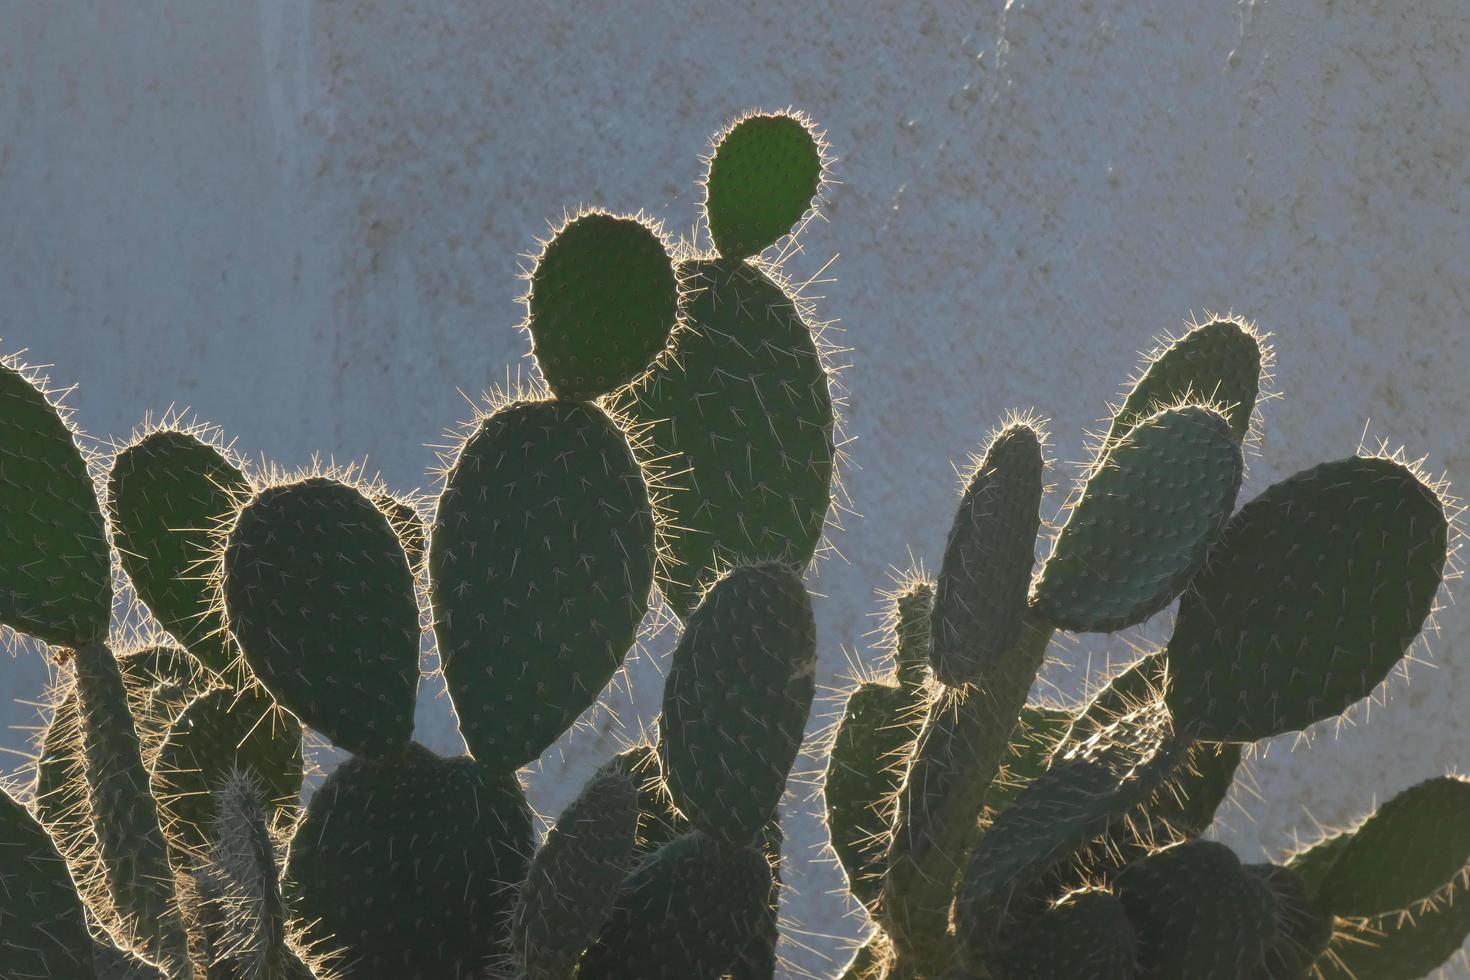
(303, 218)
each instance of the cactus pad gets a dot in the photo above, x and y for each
(980, 599)
(55, 582)
(168, 494)
(1139, 531)
(736, 700)
(1400, 945)
(1087, 937)
(658, 821)
(408, 864)
(744, 414)
(603, 300)
(1302, 930)
(541, 560)
(576, 876)
(43, 932)
(685, 914)
(1312, 594)
(764, 174)
(320, 599)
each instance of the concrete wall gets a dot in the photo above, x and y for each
(303, 218)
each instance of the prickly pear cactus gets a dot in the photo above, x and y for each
(43, 932)
(764, 173)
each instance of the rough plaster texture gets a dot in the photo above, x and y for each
(304, 219)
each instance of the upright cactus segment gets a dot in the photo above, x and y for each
(43, 932)
(541, 563)
(575, 877)
(168, 495)
(320, 598)
(602, 302)
(408, 865)
(981, 596)
(685, 914)
(1312, 595)
(743, 411)
(1139, 531)
(764, 175)
(56, 581)
(736, 700)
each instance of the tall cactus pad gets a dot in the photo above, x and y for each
(42, 929)
(576, 876)
(1416, 844)
(1313, 593)
(55, 582)
(1400, 946)
(1139, 531)
(168, 495)
(125, 816)
(981, 595)
(320, 598)
(1218, 362)
(744, 413)
(222, 733)
(736, 700)
(765, 173)
(541, 560)
(1198, 913)
(1302, 931)
(1087, 937)
(409, 864)
(685, 914)
(603, 301)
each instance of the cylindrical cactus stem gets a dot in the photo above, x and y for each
(125, 815)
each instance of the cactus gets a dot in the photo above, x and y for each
(764, 173)
(43, 932)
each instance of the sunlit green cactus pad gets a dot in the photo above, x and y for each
(763, 176)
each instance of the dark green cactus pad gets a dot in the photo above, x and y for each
(320, 598)
(43, 932)
(1414, 845)
(55, 582)
(758, 959)
(1198, 913)
(1218, 363)
(1089, 786)
(603, 300)
(743, 414)
(1311, 596)
(168, 495)
(1140, 529)
(221, 733)
(913, 610)
(1302, 932)
(658, 821)
(736, 700)
(1039, 731)
(409, 865)
(764, 174)
(980, 598)
(1087, 937)
(1401, 945)
(576, 876)
(685, 914)
(541, 560)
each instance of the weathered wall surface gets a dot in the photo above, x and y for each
(304, 220)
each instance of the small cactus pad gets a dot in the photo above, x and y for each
(1312, 594)
(685, 914)
(1039, 731)
(658, 821)
(1302, 931)
(981, 595)
(736, 699)
(1412, 847)
(55, 582)
(43, 932)
(576, 876)
(1400, 945)
(1089, 786)
(1198, 913)
(409, 864)
(1140, 529)
(542, 561)
(743, 414)
(603, 300)
(764, 174)
(1218, 362)
(168, 494)
(1086, 937)
(913, 610)
(320, 598)
(222, 733)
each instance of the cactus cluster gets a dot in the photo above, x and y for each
(676, 460)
